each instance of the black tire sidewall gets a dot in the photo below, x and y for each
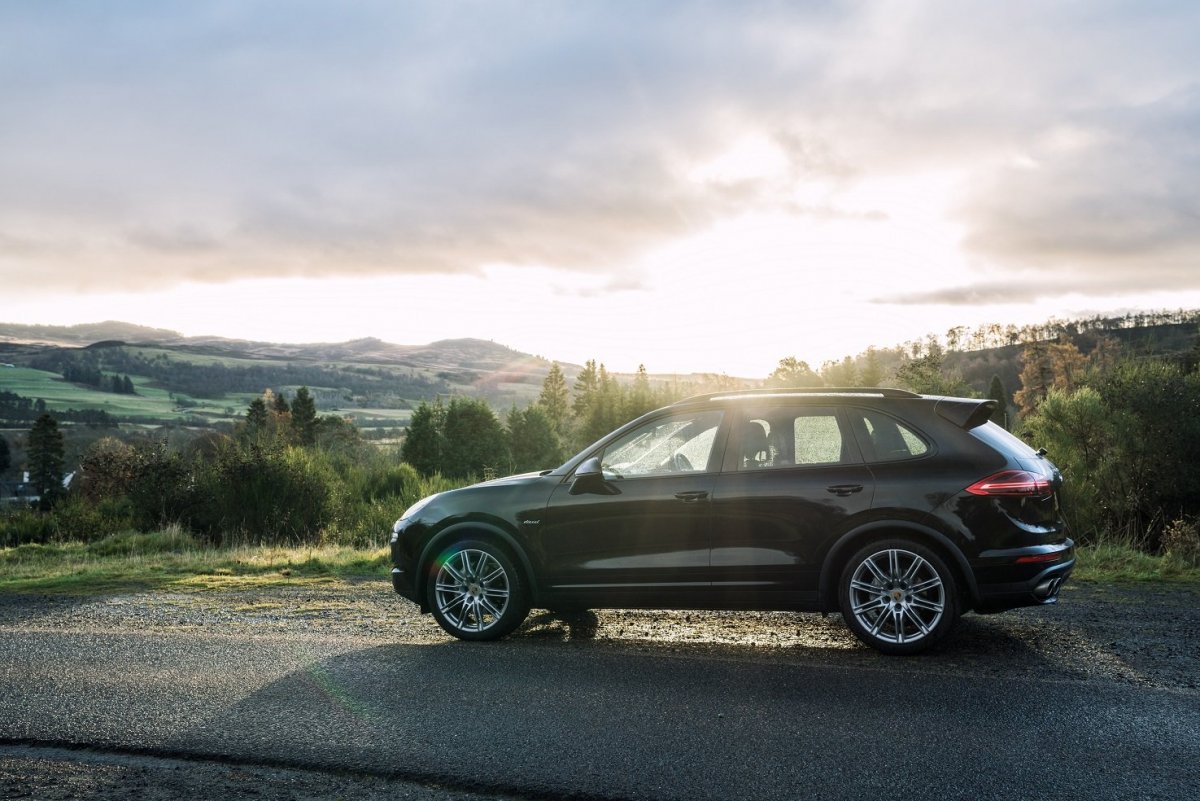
(949, 582)
(518, 596)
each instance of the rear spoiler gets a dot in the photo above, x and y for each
(965, 412)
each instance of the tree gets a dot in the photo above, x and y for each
(872, 372)
(532, 440)
(127, 386)
(926, 373)
(793, 373)
(304, 417)
(256, 417)
(424, 439)
(474, 439)
(46, 460)
(997, 393)
(1046, 366)
(641, 397)
(5, 456)
(279, 404)
(840, 374)
(555, 401)
(586, 386)
(599, 408)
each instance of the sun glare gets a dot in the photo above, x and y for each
(752, 157)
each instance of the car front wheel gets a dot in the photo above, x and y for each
(476, 592)
(898, 596)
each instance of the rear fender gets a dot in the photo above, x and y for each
(854, 539)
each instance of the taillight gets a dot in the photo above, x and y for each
(1013, 483)
(1039, 558)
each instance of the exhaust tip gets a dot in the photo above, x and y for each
(1048, 588)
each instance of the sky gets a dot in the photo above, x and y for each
(706, 186)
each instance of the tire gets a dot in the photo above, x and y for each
(475, 591)
(898, 596)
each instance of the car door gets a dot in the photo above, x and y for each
(639, 531)
(793, 477)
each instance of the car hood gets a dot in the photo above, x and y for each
(508, 481)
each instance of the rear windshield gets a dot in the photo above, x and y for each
(1002, 441)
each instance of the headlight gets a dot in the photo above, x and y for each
(412, 510)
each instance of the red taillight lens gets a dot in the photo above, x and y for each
(1018, 483)
(1038, 558)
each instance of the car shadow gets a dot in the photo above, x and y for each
(580, 704)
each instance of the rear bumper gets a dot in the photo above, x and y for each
(1011, 583)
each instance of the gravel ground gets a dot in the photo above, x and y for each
(1131, 635)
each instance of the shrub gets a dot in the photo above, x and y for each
(1181, 541)
(267, 496)
(77, 520)
(23, 526)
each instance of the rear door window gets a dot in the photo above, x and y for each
(792, 437)
(886, 439)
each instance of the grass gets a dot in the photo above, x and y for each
(1118, 563)
(149, 402)
(172, 560)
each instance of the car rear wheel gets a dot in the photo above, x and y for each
(898, 596)
(477, 592)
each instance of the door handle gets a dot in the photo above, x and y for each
(691, 497)
(844, 490)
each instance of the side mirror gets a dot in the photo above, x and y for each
(589, 478)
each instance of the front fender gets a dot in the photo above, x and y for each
(471, 529)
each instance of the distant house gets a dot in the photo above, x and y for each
(17, 492)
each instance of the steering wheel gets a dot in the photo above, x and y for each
(680, 463)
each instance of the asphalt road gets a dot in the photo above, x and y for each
(587, 717)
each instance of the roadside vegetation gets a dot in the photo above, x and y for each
(174, 560)
(285, 495)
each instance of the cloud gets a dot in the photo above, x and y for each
(1110, 199)
(147, 144)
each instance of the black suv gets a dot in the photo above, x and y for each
(901, 511)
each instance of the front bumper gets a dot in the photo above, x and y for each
(403, 585)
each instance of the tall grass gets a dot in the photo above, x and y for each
(174, 559)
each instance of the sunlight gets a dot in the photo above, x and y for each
(754, 156)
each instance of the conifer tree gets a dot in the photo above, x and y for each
(555, 401)
(304, 417)
(997, 393)
(424, 438)
(46, 460)
(532, 441)
(256, 416)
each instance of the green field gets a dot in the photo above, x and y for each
(150, 402)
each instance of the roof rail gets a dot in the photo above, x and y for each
(784, 392)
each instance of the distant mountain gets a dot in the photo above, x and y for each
(361, 373)
(83, 334)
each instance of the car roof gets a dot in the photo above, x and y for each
(796, 393)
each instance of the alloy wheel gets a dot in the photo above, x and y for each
(471, 590)
(897, 596)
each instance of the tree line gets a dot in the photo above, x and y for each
(281, 475)
(464, 437)
(1124, 426)
(215, 380)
